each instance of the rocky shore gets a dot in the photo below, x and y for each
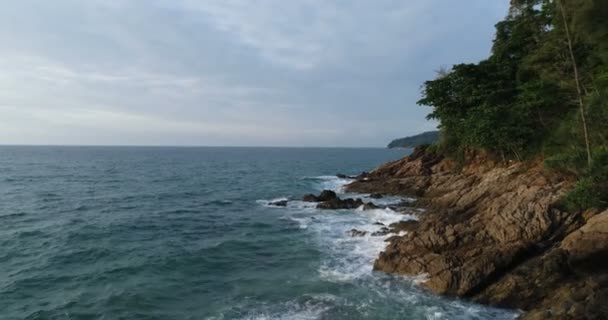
(494, 233)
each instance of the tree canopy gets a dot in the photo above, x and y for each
(542, 92)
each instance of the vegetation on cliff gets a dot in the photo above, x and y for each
(428, 137)
(542, 93)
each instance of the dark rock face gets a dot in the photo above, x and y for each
(376, 196)
(330, 200)
(310, 198)
(337, 203)
(492, 233)
(357, 233)
(382, 232)
(327, 195)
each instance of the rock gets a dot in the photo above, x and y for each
(376, 196)
(378, 223)
(370, 206)
(327, 195)
(280, 203)
(329, 200)
(342, 176)
(362, 175)
(357, 233)
(587, 247)
(310, 198)
(337, 203)
(492, 232)
(382, 232)
(409, 225)
(391, 239)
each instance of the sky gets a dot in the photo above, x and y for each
(229, 72)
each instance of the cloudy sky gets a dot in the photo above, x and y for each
(228, 72)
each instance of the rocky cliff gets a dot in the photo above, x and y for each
(493, 233)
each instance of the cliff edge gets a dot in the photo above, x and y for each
(493, 233)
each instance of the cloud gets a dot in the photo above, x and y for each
(268, 72)
(310, 33)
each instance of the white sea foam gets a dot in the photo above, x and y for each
(331, 182)
(349, 260)
(293, 310)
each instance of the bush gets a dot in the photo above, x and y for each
(591, 190)
(583, 196)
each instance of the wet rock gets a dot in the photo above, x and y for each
(356, 233)
(362, 175)
(279, 203)
(329, 200)
(382, 232)
(327, 195)
(310, 198)
(370, 206)
(337, 203)
(378, 223)
(376, 196)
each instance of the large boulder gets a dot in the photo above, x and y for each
(327, 195)
(310, 198)
(337, 203)
(587, 247)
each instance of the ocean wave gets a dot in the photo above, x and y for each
(291, 204)
(330, 182)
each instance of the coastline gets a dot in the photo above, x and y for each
(493, 233)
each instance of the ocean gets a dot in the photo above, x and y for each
(189, 233)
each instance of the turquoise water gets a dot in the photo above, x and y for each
(187, 233)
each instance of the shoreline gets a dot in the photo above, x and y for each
(391, 216)
(494, 234)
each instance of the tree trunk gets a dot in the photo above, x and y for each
(578, 82)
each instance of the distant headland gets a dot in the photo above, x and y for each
(428, 137)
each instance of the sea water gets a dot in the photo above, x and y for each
(190, 233)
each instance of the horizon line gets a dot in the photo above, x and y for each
(190, 146)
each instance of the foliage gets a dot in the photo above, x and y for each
(523, 100)
(428, 137)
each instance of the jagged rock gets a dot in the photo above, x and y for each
(337, 203)
(376, 196)
(378, 223)
(326, 195)
(382, 232)
(409, 225)
(329, 200)
(357, 233)
(492, 232)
